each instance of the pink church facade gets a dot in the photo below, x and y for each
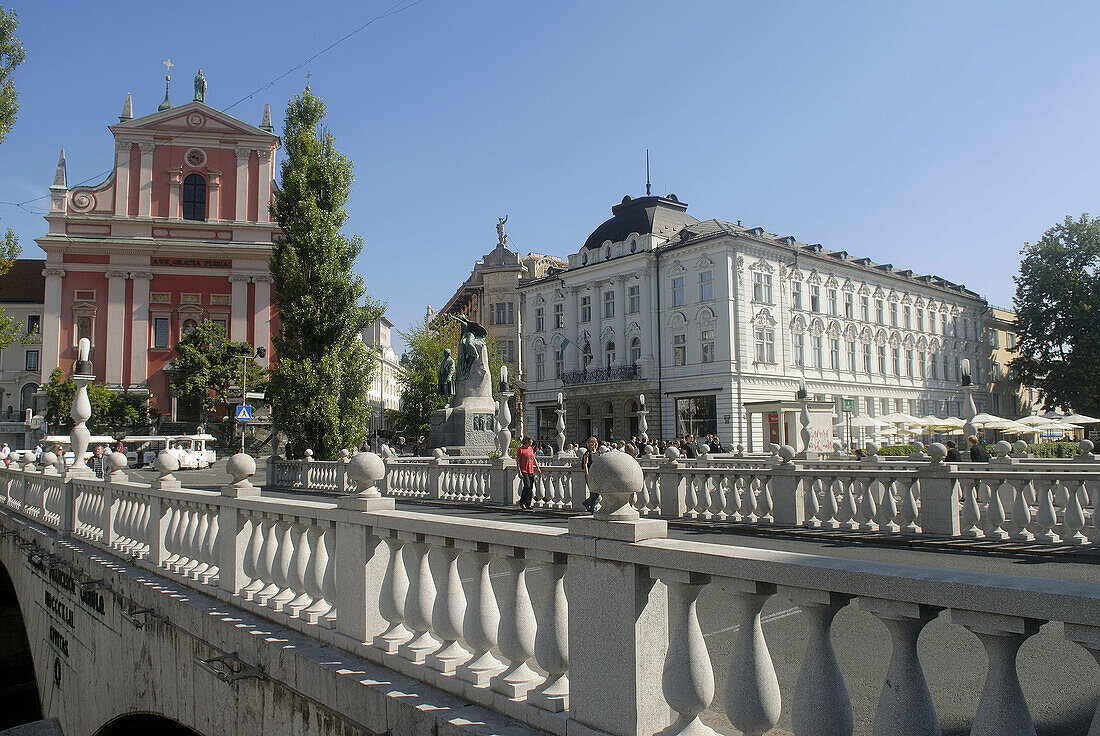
(177, 233)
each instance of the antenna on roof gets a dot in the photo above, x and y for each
(648, 188)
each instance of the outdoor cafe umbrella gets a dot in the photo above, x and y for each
(1076, 418)
(983, 419)
(1034, 421)
(901, 418)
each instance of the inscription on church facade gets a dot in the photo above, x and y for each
(192, 262)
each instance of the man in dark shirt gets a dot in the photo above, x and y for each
(96, 461)
(978, 453)
(952, 452)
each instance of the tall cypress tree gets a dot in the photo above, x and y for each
(322, 372)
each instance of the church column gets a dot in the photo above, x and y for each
(116, 325)
(242, 183)
(145, 184)
(139, 333)
(265, 185)
(122, 176)
(569, 330)
(621, 351)
(51, 321)
(238, 320)
(175, 181)
(262, 317)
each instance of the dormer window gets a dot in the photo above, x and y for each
(194, 197)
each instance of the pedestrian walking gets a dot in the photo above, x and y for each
(96, 461)
(528, 465)
(978, 453)
(586, 463)
(952, 453)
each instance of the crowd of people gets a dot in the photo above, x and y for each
(689, 446)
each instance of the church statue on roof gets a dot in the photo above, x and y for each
(200, 87)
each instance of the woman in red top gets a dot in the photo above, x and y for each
(528, 466)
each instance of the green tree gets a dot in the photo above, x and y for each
(319, 384)
(207, 365)
(1057, 310)
(420, 372)
(112, 411)
(11, 56)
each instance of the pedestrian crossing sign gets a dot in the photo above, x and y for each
(244, 413)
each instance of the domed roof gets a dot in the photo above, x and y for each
(664, 216)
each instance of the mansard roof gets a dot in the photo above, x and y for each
(700, 231)
(662, 216)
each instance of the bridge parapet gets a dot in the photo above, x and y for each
(1052, 503)
(615, 646)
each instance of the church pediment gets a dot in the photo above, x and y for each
(193, 117)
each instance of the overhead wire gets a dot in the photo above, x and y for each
(399, 7)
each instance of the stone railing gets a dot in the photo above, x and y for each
(1052, 503)
(616, 646)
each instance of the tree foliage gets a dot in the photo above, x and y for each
(1057, 311)
(208, 364)
(420, 373)
(319, 383)
(11, 56)
(112, 411)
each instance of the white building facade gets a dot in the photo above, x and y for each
(706, 317)
(384, 392)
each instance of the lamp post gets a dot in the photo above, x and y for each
(643, 425)
(560, 411)
(504, 415)
(245, 357)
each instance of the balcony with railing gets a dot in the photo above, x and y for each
(601, 375)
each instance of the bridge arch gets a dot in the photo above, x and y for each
(140, 724)
(20, 701)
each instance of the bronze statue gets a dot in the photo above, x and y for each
(473, 336)
(447, 376)
(502, 237)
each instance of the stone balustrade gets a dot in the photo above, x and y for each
(1043, 503)
(615, 645)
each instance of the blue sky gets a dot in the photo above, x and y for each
(934, 136)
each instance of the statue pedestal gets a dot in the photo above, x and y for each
(468, 429)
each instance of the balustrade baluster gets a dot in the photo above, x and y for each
(418, 602)
(971, 512)
(813, 505)
(280, 573)
(752, 697)
(319, 561)
(905, 704)
(733, 499)
(251, 560)
(691, 498)
(888, 509)
(516, 633)
(995, 512)
(198, 563)
(764, 503)
(687, 679)
(1047, 518)
(748, 501)
(299, 570)
(831, 509)
(910, 512)
(187, 541)
(1089, 638)
(171, 536)
(849, 511)
(1075, 516)
(391, 599)
(480, 622)
(552, 639)
(1002, 708)
(448, 610)
(867, 507)
(821, 706)
(1021, 513)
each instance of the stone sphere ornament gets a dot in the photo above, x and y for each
(240, 467)
(937, 451)
(437, 453)
(616, 476)
(786, 453)
(116, 461)
(1085, 446)
(49, 460)
(672, 453)
(1020, 446)
(872, 448)
(367, 469)
(918, 446)
(166, 463)
(1002, 448)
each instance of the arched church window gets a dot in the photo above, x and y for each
(84, 328)
(194, 197)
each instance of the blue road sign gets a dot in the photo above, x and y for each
(244, 413)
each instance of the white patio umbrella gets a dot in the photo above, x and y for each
(944, 424)
(1034, 421)
(900, 418)
(1019, 429)
(865, 422)
(983, 419)
(1076, 418)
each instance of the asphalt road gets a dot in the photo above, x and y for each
(1060, 680)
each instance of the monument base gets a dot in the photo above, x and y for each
(465, 430)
